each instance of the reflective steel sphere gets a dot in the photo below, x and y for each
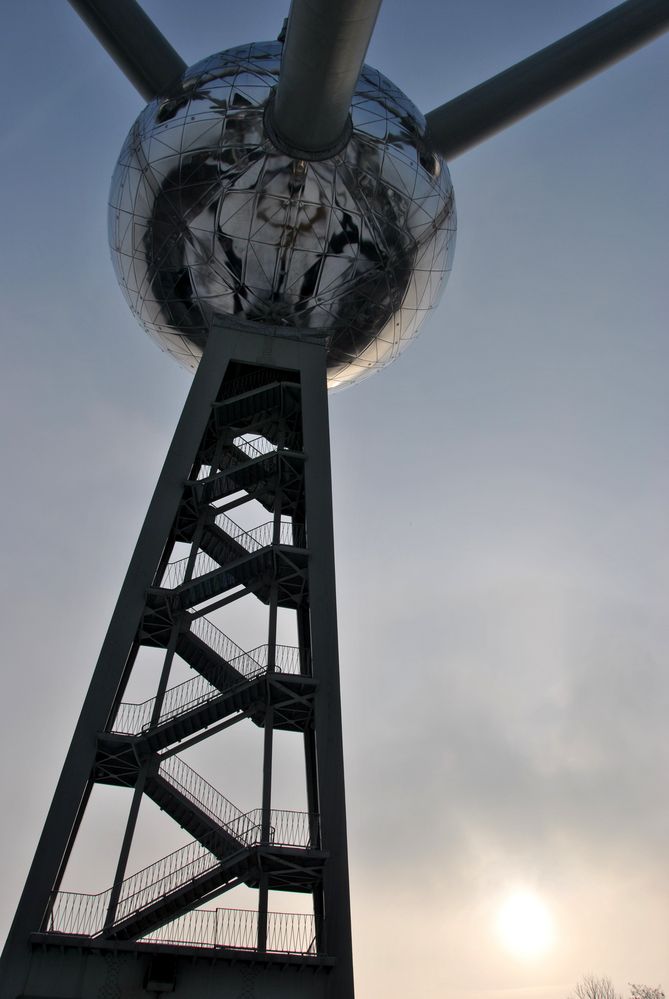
(208, 219)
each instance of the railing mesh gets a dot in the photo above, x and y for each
(81, 914)
(180, 868)
(252, 540)
(257, 447)
(86, 914)
(251, 448)
(237, 929)
(175, 572)
(243, 826)
(255, 538)
(243, 662)
(133, 719)
(76, 914)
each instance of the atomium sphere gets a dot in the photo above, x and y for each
(208, 219)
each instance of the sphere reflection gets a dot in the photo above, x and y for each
(208, 219)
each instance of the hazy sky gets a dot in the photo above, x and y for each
(500, 499)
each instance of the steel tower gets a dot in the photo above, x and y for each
(251, 445)
(254, 430)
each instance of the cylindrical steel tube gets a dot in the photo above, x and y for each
(475, 115)
(134, 42)
(323, 54)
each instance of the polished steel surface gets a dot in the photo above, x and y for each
(208, 219)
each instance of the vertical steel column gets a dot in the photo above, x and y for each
(324, 649)
(122, 863)
(268, 746)
(164, 675)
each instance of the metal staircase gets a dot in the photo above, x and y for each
(269, 560)
(251, 449)
(228, 849)
(230, 680)
(200, 808)
(152, 896)
(250, 465)
(230, 556)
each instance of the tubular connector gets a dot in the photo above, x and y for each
(325, 47)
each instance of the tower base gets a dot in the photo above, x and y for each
(60, 969)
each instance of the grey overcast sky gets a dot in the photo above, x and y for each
(500, 499)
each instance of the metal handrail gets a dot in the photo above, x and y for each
(169, 874)
(175, 572)
(76, 914)
(237, 929)
(242, 826)
(262, 536)
(87, 914)
(287, 826)
(291, 828)
(134, 718)
(287, 658)
(244, 662)
(257, 447)
(252, 540)
(253, 448)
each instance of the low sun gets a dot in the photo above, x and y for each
(525, 925)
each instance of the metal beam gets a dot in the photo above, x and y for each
(134, 42)
(477, 114)
(323, 54)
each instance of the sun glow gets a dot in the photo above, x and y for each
(525, 925)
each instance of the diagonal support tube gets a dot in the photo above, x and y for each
(459, 124)
(134, 42)
(323, 54)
